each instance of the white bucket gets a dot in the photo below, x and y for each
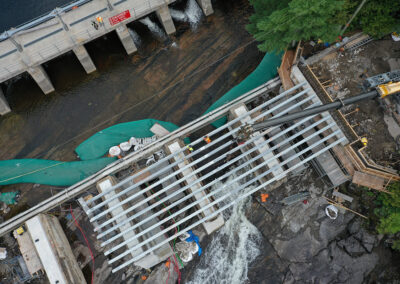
(114, 151)
(331, 211)
(125, 146)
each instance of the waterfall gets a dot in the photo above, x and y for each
(135, 37)
(154, 28)
(192, 14)
(233, 247)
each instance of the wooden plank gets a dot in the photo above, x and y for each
(369, 181)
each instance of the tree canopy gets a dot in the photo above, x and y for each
(276, 24)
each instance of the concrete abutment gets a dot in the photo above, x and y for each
(42, 79)
(206, 6)
(164, 16)
(4, 107)
(84, 58)
(126, 39)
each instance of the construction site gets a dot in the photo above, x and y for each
(268, 187)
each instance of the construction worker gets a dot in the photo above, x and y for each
(264, 197)
(189, 147)
(207, 139)
(364, 141)
(99, 20)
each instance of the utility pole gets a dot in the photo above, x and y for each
(352, 17)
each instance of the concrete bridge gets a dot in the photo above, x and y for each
(27, 47)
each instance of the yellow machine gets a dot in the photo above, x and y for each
(388, 89)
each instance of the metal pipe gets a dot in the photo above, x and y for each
(170, 166)
(215, 191)
(223, 208)
(96, 217)
(206, 176)
(208, 185)
(316, 110)
(165, 159)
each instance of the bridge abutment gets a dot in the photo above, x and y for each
(206, 6)
(42, 79)
(126, 39)
(164, 16)
(4, 107)
(84, 58)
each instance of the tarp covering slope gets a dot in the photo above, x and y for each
(264, 72)
(98, 145)
(49, 172)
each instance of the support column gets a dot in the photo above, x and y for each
(126, 39)
(164, 16)
(206, 6)
(42, 79)
(84, 58)
(4, 107)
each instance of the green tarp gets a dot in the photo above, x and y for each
(264, 72)
(49, 172)
(98, 145)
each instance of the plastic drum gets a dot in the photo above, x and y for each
(114, 151)
(125, 146)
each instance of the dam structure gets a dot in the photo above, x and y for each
(27, 47)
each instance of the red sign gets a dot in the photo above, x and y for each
(120, 17)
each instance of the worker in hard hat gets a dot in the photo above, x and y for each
(364, 141)
(207, 139)
(189, 147)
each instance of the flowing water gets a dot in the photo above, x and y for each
(135, 36)
(154, 28)
(236, 245)
(192, 14)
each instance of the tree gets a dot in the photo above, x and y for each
(378, 17)
(389, 212)
(299, 20)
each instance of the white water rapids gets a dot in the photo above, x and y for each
(233, 247)
(191, 14)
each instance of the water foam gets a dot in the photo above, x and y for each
(232, 248)
(135, 37)
(192, 14)
(154, 28)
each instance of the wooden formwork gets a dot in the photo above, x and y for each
(285, 69)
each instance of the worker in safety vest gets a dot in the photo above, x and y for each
(189, 148)
(364, 141)
(207, 139)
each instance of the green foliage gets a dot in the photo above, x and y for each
(389, 212)
(378, 17)
(396, 245)
(276, 24)
(299, 20)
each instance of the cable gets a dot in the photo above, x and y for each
(86, 240)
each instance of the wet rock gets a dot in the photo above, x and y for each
(160, 275)
(299, 249)
(330, 229)
(352, 246)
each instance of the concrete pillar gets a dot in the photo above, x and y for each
(206, 6)
(126, 39)
(4, 107)
(84, 58)
(165, 18)
(42, 79)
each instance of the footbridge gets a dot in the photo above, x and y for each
(139, 208)
(27, 47)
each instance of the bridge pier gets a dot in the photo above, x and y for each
(126, 39)
(164, 17)
(84, 58)
(206, 6)
(4, 107)
(42, 79)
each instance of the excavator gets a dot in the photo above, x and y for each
(380, 91)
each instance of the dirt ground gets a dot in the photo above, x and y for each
(346, 72)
